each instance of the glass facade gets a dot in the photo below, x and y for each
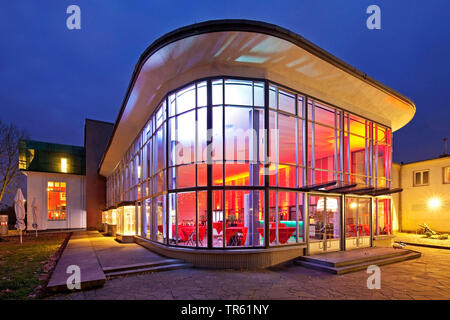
(204, 176)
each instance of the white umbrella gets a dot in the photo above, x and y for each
(20, 211)
(35, 213)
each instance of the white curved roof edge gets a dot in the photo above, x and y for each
(242, 48)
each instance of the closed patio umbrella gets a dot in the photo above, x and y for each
(35, 213)
(19, 209)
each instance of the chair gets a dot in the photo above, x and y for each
(236, 239)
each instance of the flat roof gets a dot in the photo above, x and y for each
(208, 49)
(42, 156)
(441, 157)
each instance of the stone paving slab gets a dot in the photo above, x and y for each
(112, 254)
(424, 278)
(339, 257)
(78, 252)
(418, 239)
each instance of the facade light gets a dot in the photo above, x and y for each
(434, 203)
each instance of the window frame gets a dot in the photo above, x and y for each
(445, 174)
(65, 211)
(421, 178)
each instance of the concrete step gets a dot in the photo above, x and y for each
(318, 259)
(136, 266)
(360, 265)
(158, 268)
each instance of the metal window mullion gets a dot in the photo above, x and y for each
(336, 135)
(223, 165)
(209, 140)
(195, 161)
(166, 139)
(267, 166)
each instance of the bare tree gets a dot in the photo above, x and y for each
(10, 135)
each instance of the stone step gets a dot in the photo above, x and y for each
(318, 259)
(164, 267)
(136, 266)
(358, 266)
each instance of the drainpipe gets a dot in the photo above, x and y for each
(400, 212)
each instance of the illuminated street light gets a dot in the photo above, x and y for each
(434, 203)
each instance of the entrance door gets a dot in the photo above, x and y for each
(357, 223)
(324, 224)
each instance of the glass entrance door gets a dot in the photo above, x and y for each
(324, 224)
(357, 223)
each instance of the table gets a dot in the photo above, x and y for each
(284, 233)
(361, 228)
(218, 226)
(189, 233)
(231, 231)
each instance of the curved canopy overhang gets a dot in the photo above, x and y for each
(243, 48)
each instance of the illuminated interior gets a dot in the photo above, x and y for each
(56, 200)
(171, 188)
(126, 220)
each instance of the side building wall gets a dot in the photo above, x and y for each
(415, 200)
(75, 195)
(96, 135)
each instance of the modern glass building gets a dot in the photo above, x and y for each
(240, 143)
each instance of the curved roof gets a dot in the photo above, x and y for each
(252, 49)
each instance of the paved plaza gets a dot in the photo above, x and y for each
(423, 278)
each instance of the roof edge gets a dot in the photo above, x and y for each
(223, 25)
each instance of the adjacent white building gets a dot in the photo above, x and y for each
(55, 183)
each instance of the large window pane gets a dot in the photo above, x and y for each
(244, 218)
(286, 139)
(285, 226)
(238, 92)
(217, 92)
(324, 147)
(185, 138)
(186, 99)
(258, 91)
(237, 125)
(217, 143)
(203, 217)
(383, 222)
(286, 101)
(187, 220)
(218, 219)
(202, 94)
(160, 209)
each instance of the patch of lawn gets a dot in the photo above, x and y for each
(21, 264)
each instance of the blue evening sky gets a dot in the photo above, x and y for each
(53, 78)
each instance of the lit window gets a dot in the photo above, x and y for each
(447, 175)
(56, 196)
(64, 165)
(421, 178)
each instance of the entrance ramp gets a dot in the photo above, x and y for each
(355, 260)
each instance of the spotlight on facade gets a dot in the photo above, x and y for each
(353, 205)
(434, 203)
